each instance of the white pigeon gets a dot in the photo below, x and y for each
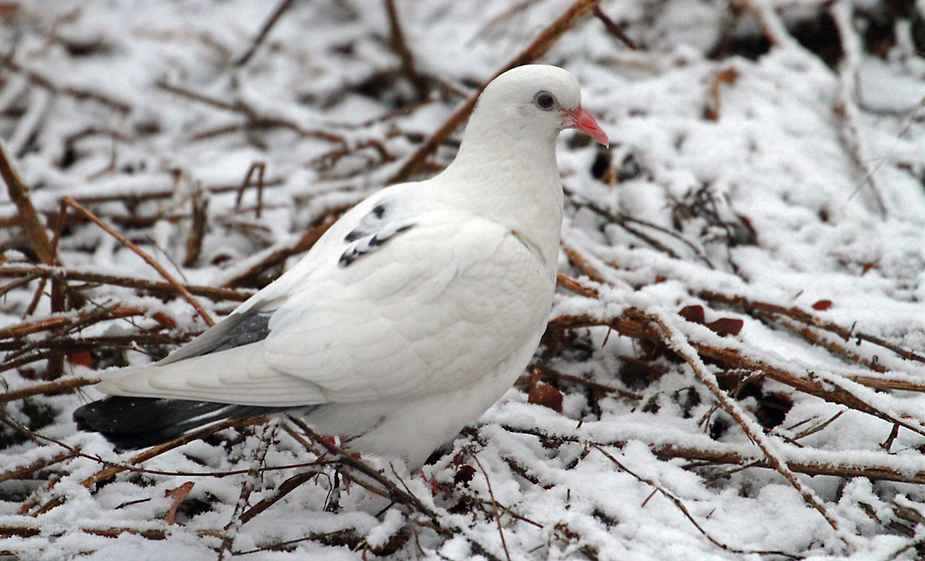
(411, 315)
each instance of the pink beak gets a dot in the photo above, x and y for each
(583, 121)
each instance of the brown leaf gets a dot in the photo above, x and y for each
(80, 358)
(543, 394)
(726, 326)
(728, 76)
(179, 495)
(693, 314)
(822, 305)
(464, 474)
(164, 320)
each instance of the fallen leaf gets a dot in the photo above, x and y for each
(693, 314)
(726, 326)
(179, 495)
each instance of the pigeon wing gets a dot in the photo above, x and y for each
(420, 306)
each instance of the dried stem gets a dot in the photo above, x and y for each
(400, 47)
(32, 272)
(147, 258)
(264, 31)
(79, 94)
(494, 506)
(49, 388)
(28, 218)
(614, 29)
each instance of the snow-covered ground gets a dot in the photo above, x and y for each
(767, 166)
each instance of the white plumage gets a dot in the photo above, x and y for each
(415, 311)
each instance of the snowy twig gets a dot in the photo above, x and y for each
(278, 258)
(391, 491)
(812, 463)
(43, 82)
(254, 120)
(681, 506)
(846, 109)
(809, 319)
(265, 437)
(494, 506)
(40, 464)
(771, 23)
(282, 490)
(628, 223)
(147, 258)
(679, 344)
(575, 286)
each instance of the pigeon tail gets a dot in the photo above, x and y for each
(131, 423)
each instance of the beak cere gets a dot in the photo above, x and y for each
(583, 121)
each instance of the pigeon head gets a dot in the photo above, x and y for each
(532, 100)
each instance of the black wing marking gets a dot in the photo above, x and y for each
(376, 228)
(254, 328)
(233, 331)
(138, 422)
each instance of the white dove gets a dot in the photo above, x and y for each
(411, 315)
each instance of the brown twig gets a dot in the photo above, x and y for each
(79, 94)
(277, 258)
(264, 31)
(258, 169)
(574, 286)
(31, 272)
(546, 39)
(24, 471)
(254, 120)
(494, 506)
(147, 258)
(197, 233)
(28, 218)
(614, 29)
(49, 388)
(282, 490)
(400, 47)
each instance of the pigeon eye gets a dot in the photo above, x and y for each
(544, 100)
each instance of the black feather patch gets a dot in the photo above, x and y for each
(376, 228)
(138, 422)
(254, 328)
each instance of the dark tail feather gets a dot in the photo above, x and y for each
(138, 422)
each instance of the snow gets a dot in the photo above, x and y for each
(825, 164)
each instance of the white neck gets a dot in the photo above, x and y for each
(515, 182)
